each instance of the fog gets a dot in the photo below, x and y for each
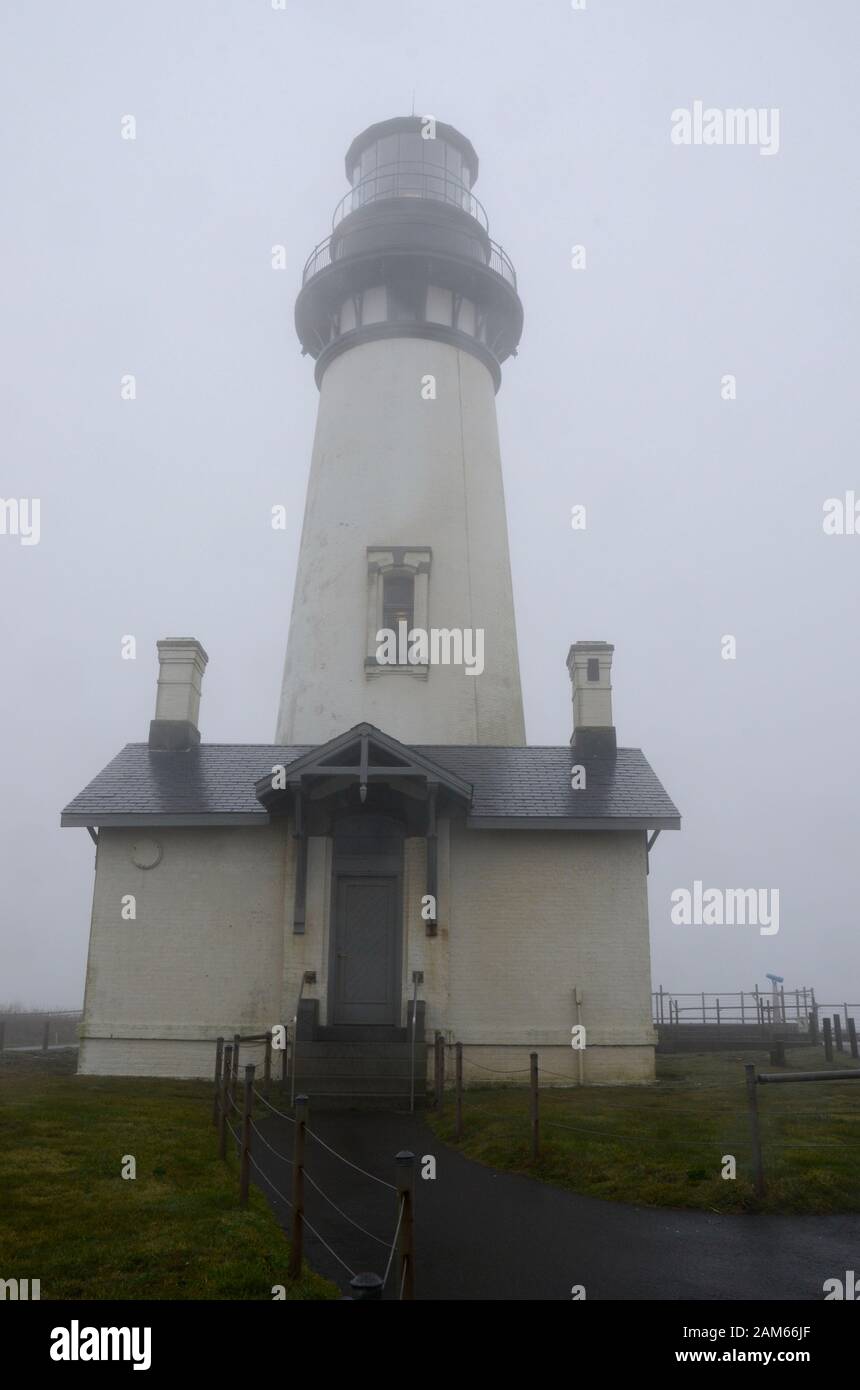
(153, 257)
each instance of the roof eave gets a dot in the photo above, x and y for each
(573, 822)
(77, 819)
(141, 820)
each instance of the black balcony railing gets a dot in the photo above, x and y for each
(321, 258)
(404, 180)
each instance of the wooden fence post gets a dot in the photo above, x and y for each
(219, 1062)
(245, 1153)
(758, 1166)
(718, 1011)
(294, 1268)
(837, 1033)
(743, 1015)
(852, 1037)
(404, 1165)
(828, 1038)
(533, 1104)
(234, 1074)
(267, 1066)
(46, 1036)
(225, 1100)
(458, 1074)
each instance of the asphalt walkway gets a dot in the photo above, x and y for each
(481, 1234)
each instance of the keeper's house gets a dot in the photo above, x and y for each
(474, 878)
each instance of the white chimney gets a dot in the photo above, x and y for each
(590, 667)
(181, 663)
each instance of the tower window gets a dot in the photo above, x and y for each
(398, 600)
(593, 671)
(397, 592)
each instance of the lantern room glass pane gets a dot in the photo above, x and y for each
(386, 161)
(410, 181)
(412, 149)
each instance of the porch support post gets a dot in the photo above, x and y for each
(432, 858)
(301, 839)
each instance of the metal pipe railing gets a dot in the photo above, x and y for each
(417, 979)
(308, 978)
(498, 261)
(410, 180)
(741, 1006)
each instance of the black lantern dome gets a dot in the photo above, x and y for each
(410, 253)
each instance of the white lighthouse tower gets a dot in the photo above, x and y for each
(408, 308)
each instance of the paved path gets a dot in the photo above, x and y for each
(481, 1234)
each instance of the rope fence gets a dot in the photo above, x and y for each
(364, 1285)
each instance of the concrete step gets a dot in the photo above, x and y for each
(358, 1066)
(358, 1051)
(370, 1068)
(355, 1085)
(362, 1036)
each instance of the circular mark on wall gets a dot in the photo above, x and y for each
(146, 853)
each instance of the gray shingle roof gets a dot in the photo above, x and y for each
(214, 784)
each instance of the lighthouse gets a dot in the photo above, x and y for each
(408, 309)
(400, 872)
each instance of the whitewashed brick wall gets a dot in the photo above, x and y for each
(524, 918)
(204, 956)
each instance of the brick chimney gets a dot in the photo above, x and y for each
(590, 667)
(181, 663)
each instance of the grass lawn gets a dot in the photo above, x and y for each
(663, 1145)
(174, 1232)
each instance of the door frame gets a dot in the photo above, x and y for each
(381, 861)
(342, 882)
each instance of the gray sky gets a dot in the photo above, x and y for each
(153, 257)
